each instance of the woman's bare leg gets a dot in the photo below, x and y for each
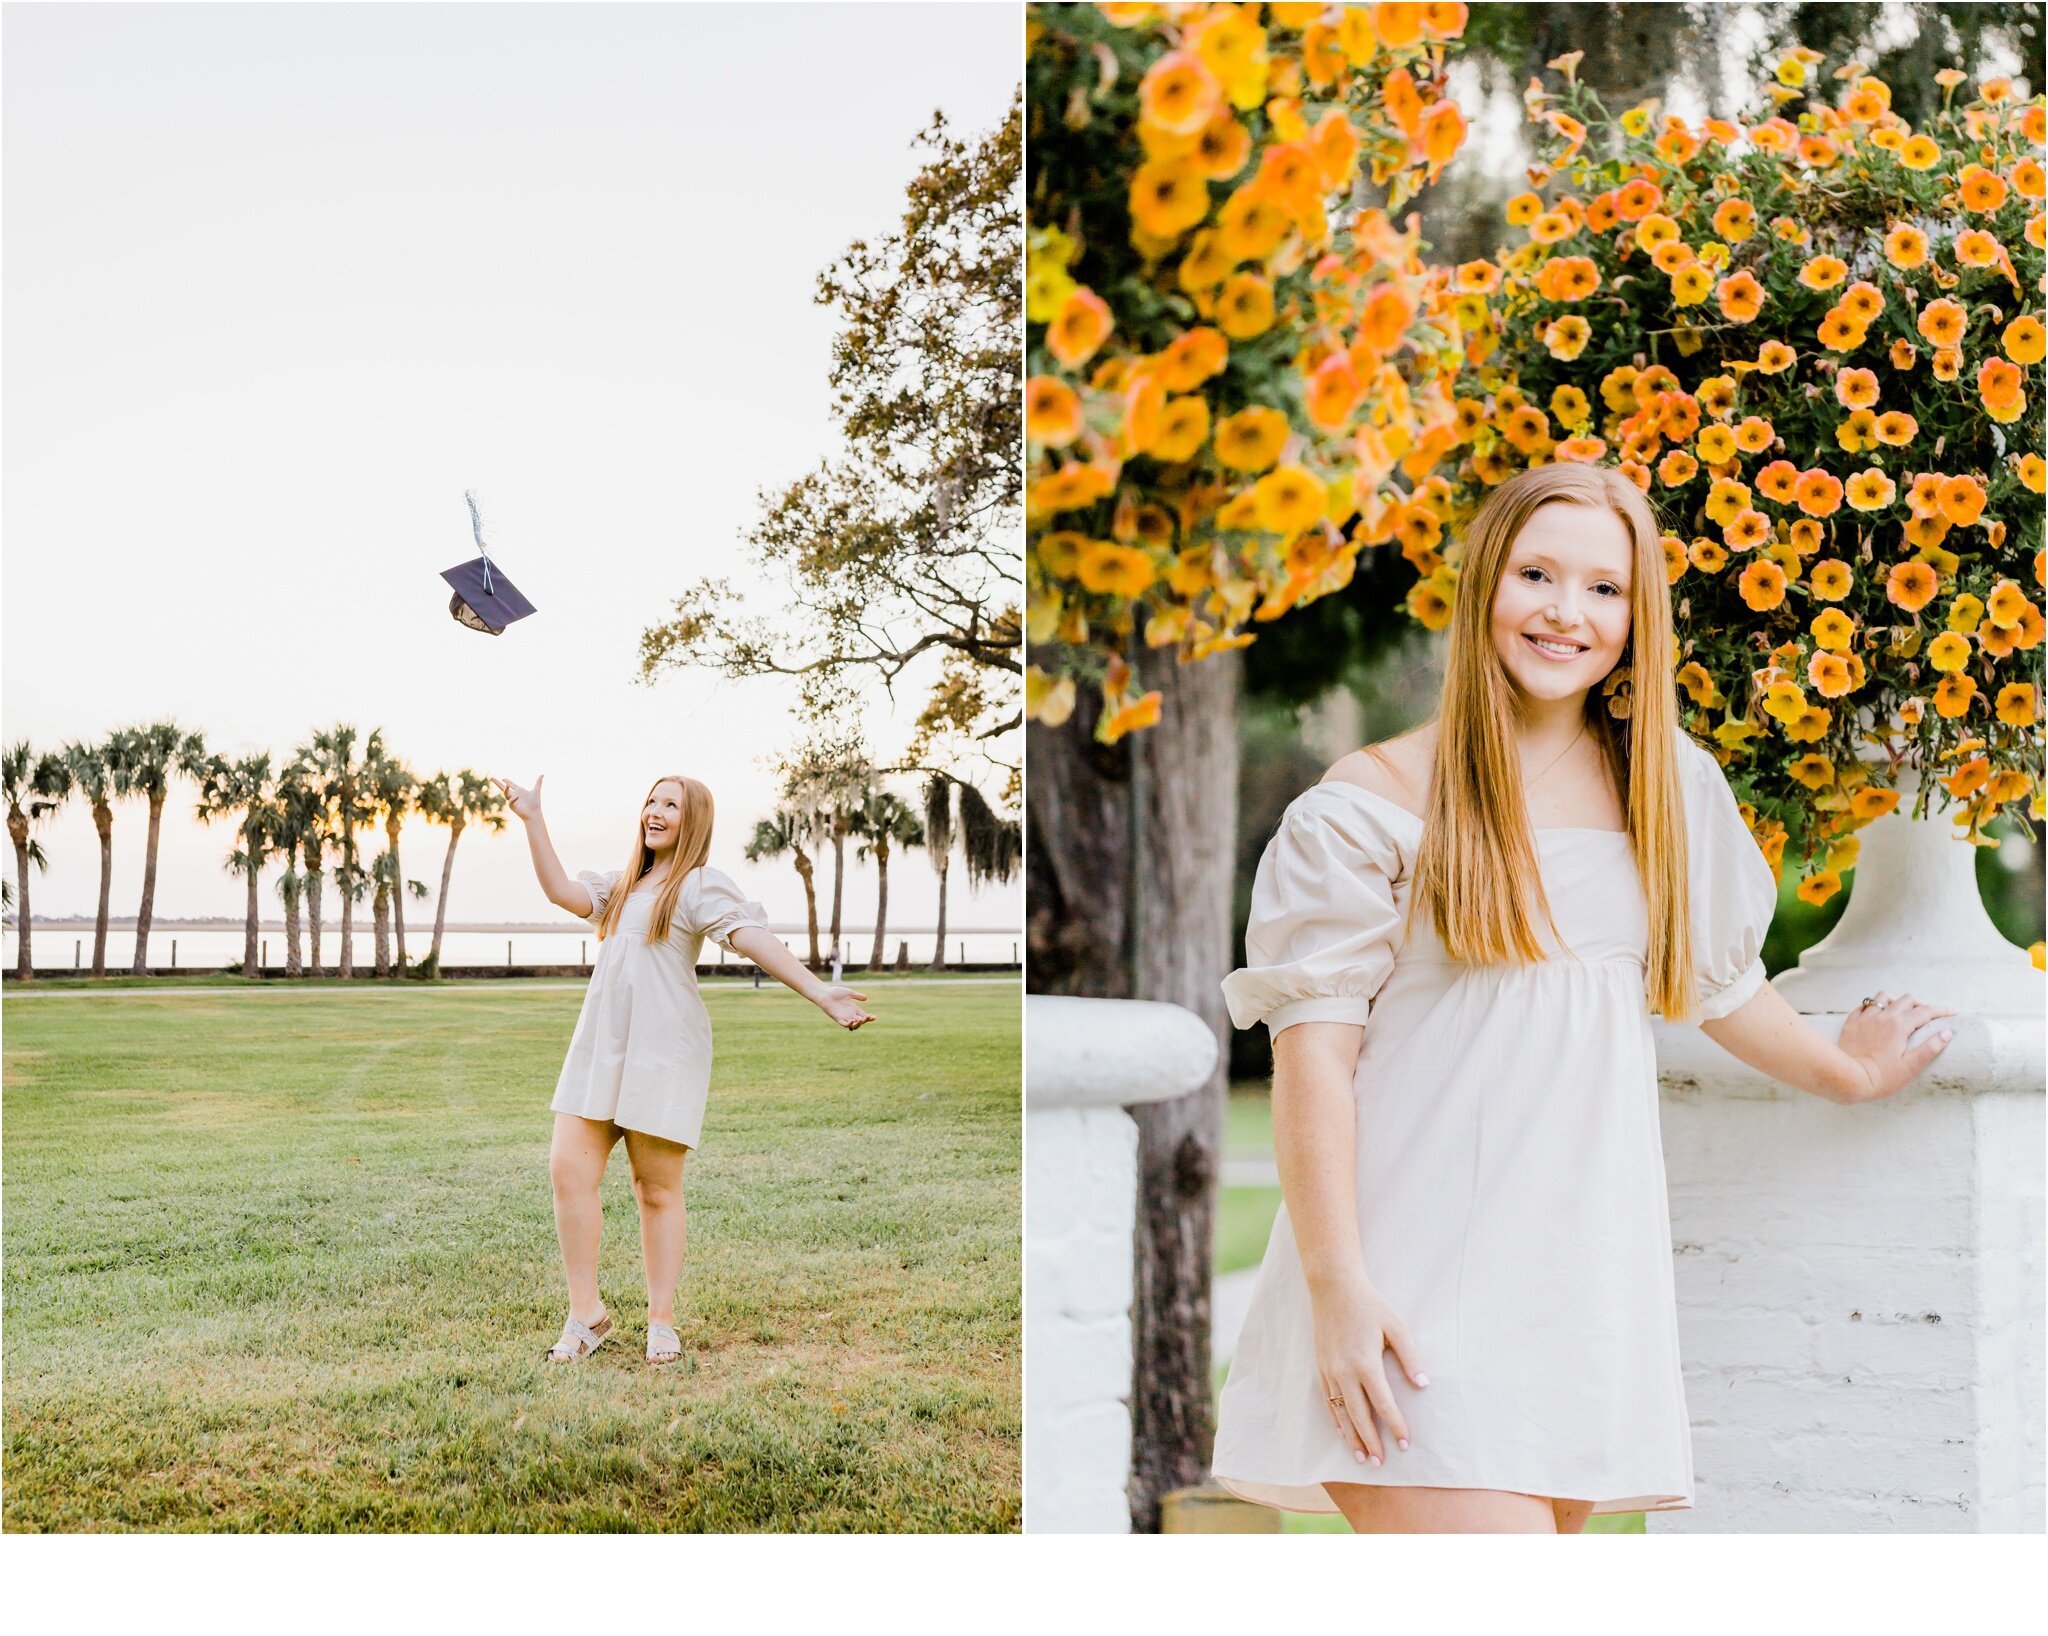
(1572, 1515)
(1372, 1509)
(576, 1161)
(658, 1184)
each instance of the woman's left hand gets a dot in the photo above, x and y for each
(1874, 1037)
(843, 1006)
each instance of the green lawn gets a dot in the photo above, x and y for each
(289, 1263)
(1244, 1220)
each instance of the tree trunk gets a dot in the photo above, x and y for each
(1129, 876)
(441, 905)
(397, 893)
(17, 830)
(139, 967)
(805, 868)
(838, 878)
(249, 924)
(381, 910)
(881, 903)
(345, 879)
(294, 966)
(103, 821)
(314, 859)
(939, 948)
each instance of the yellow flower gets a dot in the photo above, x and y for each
(1948, 653)
(1783, 701)
(1830, 581)
(1691, 285)
(2016, 704)
(1819, 888)
(1698, 685)
(1833, 630)
(1816, 772)
(1251, 439)
(1288, 500)
(1244, 308)
(1116, 570)
(1047, 699)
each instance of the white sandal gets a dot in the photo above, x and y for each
(579, 1340)
(663, 1344)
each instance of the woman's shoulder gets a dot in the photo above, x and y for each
(1395, 771)
(1365, 811)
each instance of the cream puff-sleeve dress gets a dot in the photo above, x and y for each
(1511, 1195)
(641, 1053)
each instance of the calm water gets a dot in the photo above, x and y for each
(214, 948)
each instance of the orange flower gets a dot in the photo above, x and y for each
(1830, 581)
(1742, 297)
(1998, 384)
(1807, 536)
(1774, 357)
(1192, 358)
(1566, 338)
(1777, 481)
(1871, 490)
(1110, 569)
(1830, 675)
(1911, 585)
(1947, 363)
(1677, 468)
(1856, 388)
(1762, 585)
(1823, 272)
(1920, 153)
(1569, 278)
(1522, 209)
(2015, 705)
(1178, 94)
(1735, 220)
(1637, 199)
(2007, 604)
(1080, 326)
(1386, 316)
(1952, 697)
(1862, 301)
(1252, 222)
(1839, 332)
(1754, 434)
(1708, 556)
(2025, 340)
(1526, 428)
(1903, 353)
(1183, 429)
(1818, 887)
(1961, 500)
(1477, 277)
(1128, 718)
(2033, 472)
(1443, 133)
(1333, 392)
(1052, 411)
(1668, 257)
(1905, 247)
(1942, 322)
(1224, 146)
(1747, 530)
(1819, 493)
(1581, 448)
(2029, 180)
(1397, 25)
(1983, 191)
(1976, 248)
(1168, 196)
(1251, 439)
(1896, 429)
(1244, 308)
(1868, 804)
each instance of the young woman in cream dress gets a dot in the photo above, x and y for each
(639, 1063)
(1457, 940)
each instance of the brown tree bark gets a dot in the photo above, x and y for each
(1130, 851)
(103, 821)
(939, 944)
(391, 829)
(314, 853)
(881, 901)
(17, 831)
(139, 967)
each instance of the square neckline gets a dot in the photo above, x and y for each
(1419, 822)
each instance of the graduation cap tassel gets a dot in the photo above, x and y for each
(483, 601)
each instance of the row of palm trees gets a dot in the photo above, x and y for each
(332, 793)
(826, 807)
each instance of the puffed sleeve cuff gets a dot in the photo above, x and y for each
(1733, 996)
(1320, 940)
(722, 911)
(600, 889)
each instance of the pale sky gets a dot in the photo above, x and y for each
(282, 281)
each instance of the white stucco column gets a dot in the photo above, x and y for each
(1859, 1288)
(1085, 1062)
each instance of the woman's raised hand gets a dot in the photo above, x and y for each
(525, 804)
(843, 1006)
(1354, 1331)
(1874, 1037)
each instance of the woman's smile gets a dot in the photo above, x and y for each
(1556, 648)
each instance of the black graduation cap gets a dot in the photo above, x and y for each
(484, 600)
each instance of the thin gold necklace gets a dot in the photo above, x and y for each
(1530, 783)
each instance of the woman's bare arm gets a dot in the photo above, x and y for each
(565, 893)
(1872, 1059)
(1315, 1147)
(765, 949)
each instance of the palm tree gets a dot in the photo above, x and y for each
(307, 775)
(344, 773)
(156, 754)
(453, 799)
(393, 791)
(881, 822)
(391, 888)
(101, 773)
(35, 787)
(296, 810)
(826, 781)
(226, 789)
(787, 832)
(992, 845)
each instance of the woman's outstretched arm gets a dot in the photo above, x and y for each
(1872, 1059)
(1315, 1147)
(765, 949)
(561, 891)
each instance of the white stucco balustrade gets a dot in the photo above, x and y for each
(1085, 1063)
(1859, 1288)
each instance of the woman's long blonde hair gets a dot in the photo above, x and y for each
(1476, 872)
(693, 846)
